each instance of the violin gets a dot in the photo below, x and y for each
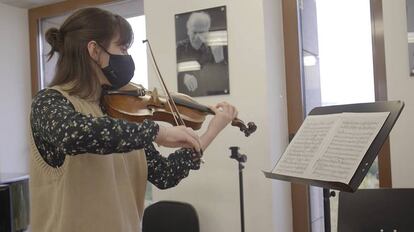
(135, 103)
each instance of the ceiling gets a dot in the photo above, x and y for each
(27, 4)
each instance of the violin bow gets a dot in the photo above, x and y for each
(173, 107)
(247, 130)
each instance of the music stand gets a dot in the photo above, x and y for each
(393, 107)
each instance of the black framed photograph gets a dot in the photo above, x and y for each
(202, 52)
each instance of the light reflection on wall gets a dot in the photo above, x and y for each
(138, 50)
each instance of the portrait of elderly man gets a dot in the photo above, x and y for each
(202, 62)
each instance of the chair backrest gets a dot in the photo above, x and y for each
(376, 210)
(6, 222)
(170, 216)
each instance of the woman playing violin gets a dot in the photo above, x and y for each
(89, 171)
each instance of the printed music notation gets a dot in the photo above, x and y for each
(330, 147)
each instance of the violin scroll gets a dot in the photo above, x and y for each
(247, 130)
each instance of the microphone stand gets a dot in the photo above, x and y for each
(240, 159)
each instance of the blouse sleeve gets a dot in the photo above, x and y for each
(59, 130)
(167, 172)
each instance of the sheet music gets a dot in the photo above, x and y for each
(330, 147)
(305, 145)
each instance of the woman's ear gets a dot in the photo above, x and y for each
(93, 51)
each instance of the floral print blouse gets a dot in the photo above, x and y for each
(58, 130)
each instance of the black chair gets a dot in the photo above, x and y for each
(170, 216)
(6, 222)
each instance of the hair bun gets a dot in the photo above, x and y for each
(55, 39)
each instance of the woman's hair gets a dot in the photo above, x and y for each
(74, 65)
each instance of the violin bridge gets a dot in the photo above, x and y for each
(155, 97)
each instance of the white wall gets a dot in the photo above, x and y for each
(15, 89)
(400, 87)
(257, 86)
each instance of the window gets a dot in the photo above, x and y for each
(337, 53)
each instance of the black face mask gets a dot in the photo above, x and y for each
(120, 70)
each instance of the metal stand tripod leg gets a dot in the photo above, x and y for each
(240, 159)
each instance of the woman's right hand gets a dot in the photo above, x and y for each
(178, 136)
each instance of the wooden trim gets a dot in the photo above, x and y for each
(384, 166)
(300, 193)
(300, 208)
(35, 15)
(380, 85)
(33, 41)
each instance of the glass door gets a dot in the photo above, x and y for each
(337, 69)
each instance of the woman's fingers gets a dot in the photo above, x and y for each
(235, 113)
(193, 139)
(178, 136)
(227, 109)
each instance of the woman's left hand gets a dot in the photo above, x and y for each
(224, 114)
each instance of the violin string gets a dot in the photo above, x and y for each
(171, 103)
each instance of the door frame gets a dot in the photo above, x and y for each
(295, 98)
(295, 106)
(51, 10)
